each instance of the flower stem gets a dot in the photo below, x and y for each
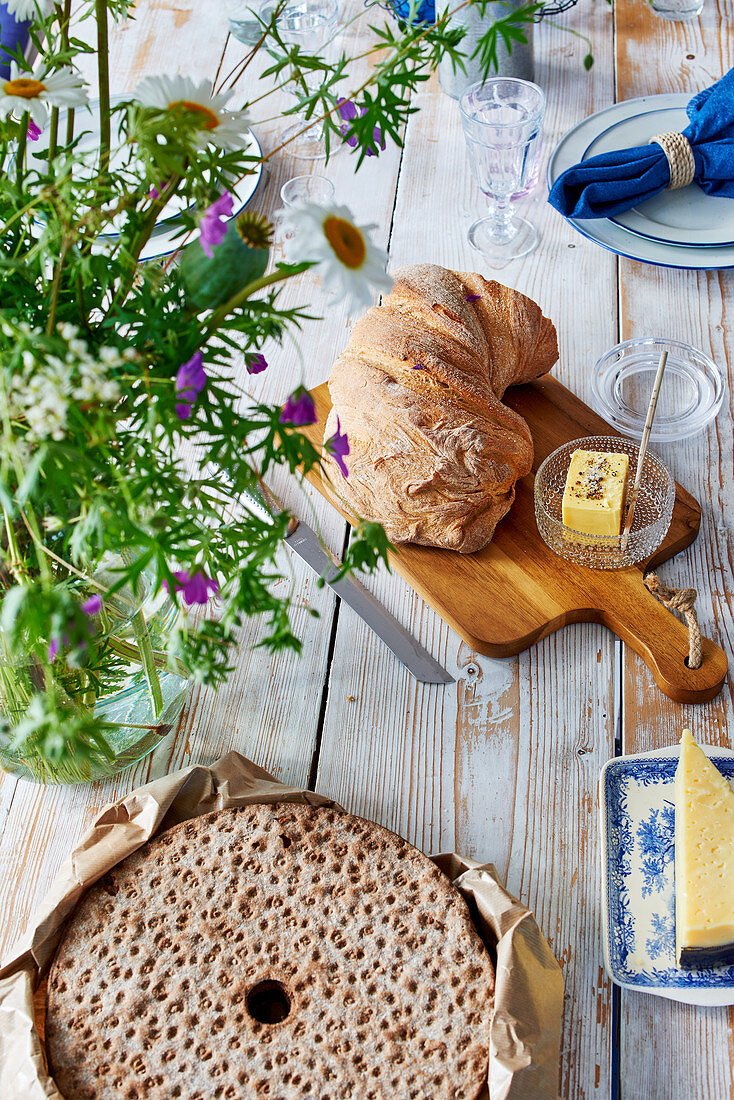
(15, 558)
(53, 136)
(242, 295)
(62, 15)
(103, 70)
(142, 637)
(20, 152)
(132, 652)
(141, 240)
(147, 659)
(56, 286)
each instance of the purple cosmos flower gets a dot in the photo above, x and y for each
(256, 363)
(190, 381)
(213, 224)
(196, 587)
(53, 650)
(299, 409)
(473, 297)
(374, 150)
(93, 605)
(338, 447)
(348, 111)
(34, 132)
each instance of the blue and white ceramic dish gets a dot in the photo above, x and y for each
(637, 821)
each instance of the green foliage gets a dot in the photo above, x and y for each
(96, 413)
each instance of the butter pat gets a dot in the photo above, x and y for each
(704, 861)
(593, 500)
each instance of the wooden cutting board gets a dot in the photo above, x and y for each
(516, 590)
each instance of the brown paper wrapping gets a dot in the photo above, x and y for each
(525, 1026)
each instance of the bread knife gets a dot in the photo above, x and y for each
(306, 545)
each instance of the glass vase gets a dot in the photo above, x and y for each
(131, 688)
(517, 62)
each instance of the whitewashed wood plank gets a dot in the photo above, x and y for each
(686, 1051)
(504, 765)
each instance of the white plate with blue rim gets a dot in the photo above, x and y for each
(637, 822)
(646, 237)
(167, 234)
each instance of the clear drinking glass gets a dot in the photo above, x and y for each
(243, 20)
(502, 120)
(300, 189)
(308, 24)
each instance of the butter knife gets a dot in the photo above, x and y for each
(305, 543)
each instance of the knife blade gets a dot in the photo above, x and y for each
(306, 545)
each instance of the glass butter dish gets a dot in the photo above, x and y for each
(652, 517)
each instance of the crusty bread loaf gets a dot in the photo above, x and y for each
(284, 951)
(433, 453)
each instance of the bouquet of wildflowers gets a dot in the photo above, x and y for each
(127, 446)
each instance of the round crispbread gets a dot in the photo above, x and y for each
(280, 951)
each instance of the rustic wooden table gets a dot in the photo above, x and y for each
(504, 764)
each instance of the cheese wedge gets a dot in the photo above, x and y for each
(704, 861)
(593, 499)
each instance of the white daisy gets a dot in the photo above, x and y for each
(24, 92)
(344, 255)
(230, 129)
(21, 9)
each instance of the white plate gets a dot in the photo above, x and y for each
(573, 147)
(166, 236)
(86, 131)
(637, 804)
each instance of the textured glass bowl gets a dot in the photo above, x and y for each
(653, 512)
(690, 397)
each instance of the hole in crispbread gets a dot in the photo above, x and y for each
(268, 1002)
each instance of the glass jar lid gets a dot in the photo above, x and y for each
(690, 397)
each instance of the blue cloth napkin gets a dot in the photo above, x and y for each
(609, 183)
(12, 33)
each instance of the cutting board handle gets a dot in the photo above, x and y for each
(660, 638)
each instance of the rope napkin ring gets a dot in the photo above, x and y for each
(680, 599)
(680, 158)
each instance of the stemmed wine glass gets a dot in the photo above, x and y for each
(502, 119)
(308, 24)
